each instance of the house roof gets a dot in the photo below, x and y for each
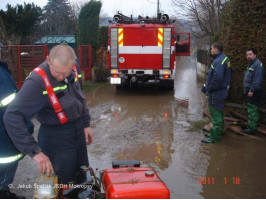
(57, 39)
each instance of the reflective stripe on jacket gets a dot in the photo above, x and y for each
(4, 102)
(10, 159)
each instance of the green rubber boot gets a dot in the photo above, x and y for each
(218, 123)
(253, 117)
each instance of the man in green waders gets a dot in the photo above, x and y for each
(217, 85)
(252, 87)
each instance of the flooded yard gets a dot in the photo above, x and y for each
(156, 127)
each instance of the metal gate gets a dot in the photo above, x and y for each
(85, 59)
(22, 59)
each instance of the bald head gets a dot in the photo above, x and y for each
(64, 55)
(61, 60)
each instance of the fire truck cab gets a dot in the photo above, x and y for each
(143, 51)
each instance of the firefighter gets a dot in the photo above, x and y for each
(217, 85)
(252, 83)
(9, 155)
(52, 92)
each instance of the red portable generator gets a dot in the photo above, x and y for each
(126, 180)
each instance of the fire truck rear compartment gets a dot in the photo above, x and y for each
(142, 52)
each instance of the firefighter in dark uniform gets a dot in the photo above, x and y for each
(252, 83)
(9, 155)
(217, 85)
(54, 94)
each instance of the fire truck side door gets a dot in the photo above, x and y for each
(182, 44)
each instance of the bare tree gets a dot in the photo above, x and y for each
(58, 18)
(76, 7)
(3, 33)
(202, 16)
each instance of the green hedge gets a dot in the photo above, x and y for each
(88, 26)
(243, 26)
(103, 36)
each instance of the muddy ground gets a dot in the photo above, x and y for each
(157, 128)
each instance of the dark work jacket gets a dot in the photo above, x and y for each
(253, 76)
(218, 81)
(33, 99)
(7, 87)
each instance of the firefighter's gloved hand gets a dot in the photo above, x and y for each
(203, 89)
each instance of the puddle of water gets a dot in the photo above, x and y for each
(151, 126)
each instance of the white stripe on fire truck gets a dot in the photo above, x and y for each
(140, 50)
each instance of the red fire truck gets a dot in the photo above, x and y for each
(142, 51)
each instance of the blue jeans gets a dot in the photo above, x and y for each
(7, 174)
(66, 148)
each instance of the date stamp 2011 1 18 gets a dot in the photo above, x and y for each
(211, 180)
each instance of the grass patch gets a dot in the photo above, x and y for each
(89, 87)
(196, 125)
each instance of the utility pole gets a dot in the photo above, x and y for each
(158, 8)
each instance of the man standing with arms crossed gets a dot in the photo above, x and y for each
(217, 85)
(252, 87)
(54, 94)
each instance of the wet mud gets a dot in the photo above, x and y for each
(151, 125)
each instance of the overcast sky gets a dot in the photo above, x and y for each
(127, 7)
